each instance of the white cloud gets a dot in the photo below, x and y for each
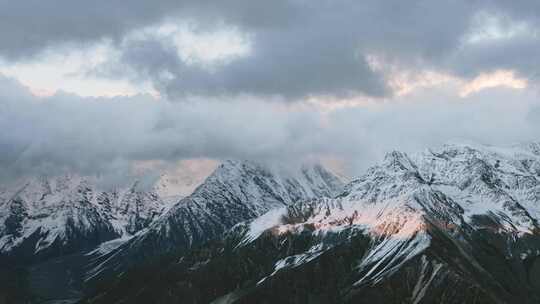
(404, 80)
(71, 69)
(66, 69)
(196, 46)
(489, 27)
(499, 78)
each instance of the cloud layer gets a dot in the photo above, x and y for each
(104, 135)
(298, 48)
(280, 80)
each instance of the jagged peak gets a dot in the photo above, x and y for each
(471, 149)
(399, 161)
(230, 171)
(230, 168)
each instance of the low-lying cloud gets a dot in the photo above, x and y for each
(107, 135)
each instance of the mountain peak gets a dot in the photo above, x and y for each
(398, 161)
(236, 191)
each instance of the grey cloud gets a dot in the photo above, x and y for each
(309, 48)
(107, 136)
(271, 70)
(518, 53)
(300, 48)
(29, 26)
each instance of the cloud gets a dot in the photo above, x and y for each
(278, 64)
(294, 49)
(303, 49)
(28, 27)
(309, 49)
(109, 135)
(496, 79)
(276, 80)
(67, 71)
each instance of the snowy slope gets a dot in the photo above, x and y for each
(44, 217)
(456, 224)
(238, 191)
(460, 191)
(451, 187)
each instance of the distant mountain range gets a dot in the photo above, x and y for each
(455, 224)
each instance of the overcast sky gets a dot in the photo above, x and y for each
(100, 87)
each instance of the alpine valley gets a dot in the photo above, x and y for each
(453, 224)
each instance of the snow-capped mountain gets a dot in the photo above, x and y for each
(69, 228)
(458, 224)
(45, 217)
(48, 216)
(236, 191)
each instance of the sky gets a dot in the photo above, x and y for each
(105, 87)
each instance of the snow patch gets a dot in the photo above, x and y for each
(267, 221)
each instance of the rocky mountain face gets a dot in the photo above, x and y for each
(457, 224)
(236, 191)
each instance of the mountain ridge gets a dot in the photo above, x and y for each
(235, 192)
(457, 224)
